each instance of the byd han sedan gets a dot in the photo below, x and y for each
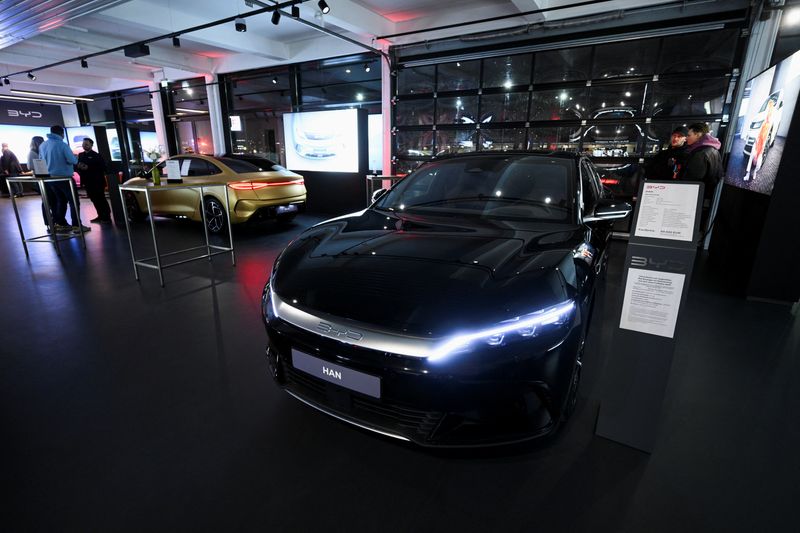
(453, 311)
(257, 188)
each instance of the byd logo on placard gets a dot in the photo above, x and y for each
(25, 114)
(670, 265)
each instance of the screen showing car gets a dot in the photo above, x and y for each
(762, 126)
(76, 137)
(149, 142)
(322, 141)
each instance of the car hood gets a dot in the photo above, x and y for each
(427, 276)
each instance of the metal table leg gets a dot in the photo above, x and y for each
(153, 232)
(49, 215)
(77, 209)
(128, 231)
(230, 225)
(16, 214)
(205, 222)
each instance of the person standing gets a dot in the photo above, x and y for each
(10, 168)
(92, 169)
(703, 163)
(60, 163)
(668, 163)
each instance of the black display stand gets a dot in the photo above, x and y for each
(639, 363)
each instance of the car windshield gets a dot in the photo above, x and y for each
(529, 187)
(242, 164)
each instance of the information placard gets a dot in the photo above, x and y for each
(668, 211)
(651, 301)
(173, 168)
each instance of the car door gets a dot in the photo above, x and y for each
(182, 201)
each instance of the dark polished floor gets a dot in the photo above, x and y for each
(128, 407)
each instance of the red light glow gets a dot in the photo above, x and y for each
(609, 181)
(254, 186)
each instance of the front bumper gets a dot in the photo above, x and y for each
(472, 400)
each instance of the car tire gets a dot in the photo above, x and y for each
(134, 212)
(216, 220)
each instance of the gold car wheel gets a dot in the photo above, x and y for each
(215, 215)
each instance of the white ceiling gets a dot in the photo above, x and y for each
(57, 30)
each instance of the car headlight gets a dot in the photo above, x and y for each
(522, 327)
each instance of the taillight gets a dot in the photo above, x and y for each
(609, 181)
(256, 185)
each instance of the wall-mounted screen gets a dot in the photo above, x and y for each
(19, 138)
(149, 141)
(75, 137)
(762, 126)
(322, 141)
(375, 135)
(113, 144)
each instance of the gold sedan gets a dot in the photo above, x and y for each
(257, 188)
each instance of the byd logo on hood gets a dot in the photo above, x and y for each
(670, 265)
(25, 114)
(330, 329)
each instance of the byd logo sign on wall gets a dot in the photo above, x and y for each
(24, 114)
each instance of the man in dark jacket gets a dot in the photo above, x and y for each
(10, 168)
(704, 162)
(668, 164)
(92, 169)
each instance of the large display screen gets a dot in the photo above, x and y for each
(322, 141)
(113, 144)
(762, 125)
(19, 138)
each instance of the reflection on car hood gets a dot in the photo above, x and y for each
(426, 275)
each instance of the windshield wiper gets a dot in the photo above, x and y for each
(450, 200)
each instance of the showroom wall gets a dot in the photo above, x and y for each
(617, 102)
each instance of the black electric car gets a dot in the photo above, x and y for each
(453, 311)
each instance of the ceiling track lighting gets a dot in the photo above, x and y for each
(31, 76)
(6, 81)
(367, 68)
(324, 7)
(274, 80)
(84, 63)
(240, 25)
(295, 12)
(276, 17)
(36, 100)
(52, 96)
(176, 42)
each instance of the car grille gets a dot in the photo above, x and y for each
(412, 423)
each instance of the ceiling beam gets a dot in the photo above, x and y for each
(223, 37)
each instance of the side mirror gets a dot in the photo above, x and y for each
(378, 194)
(607, 210)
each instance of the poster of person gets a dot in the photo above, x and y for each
(762, 125)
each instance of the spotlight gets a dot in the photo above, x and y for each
(84, 63)
(324, 7)
(367, 67)
(240, 25)
(295, 12)
(276, 17)
(176, 42)
(274, 80)
(6, 81)
(31, 76)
